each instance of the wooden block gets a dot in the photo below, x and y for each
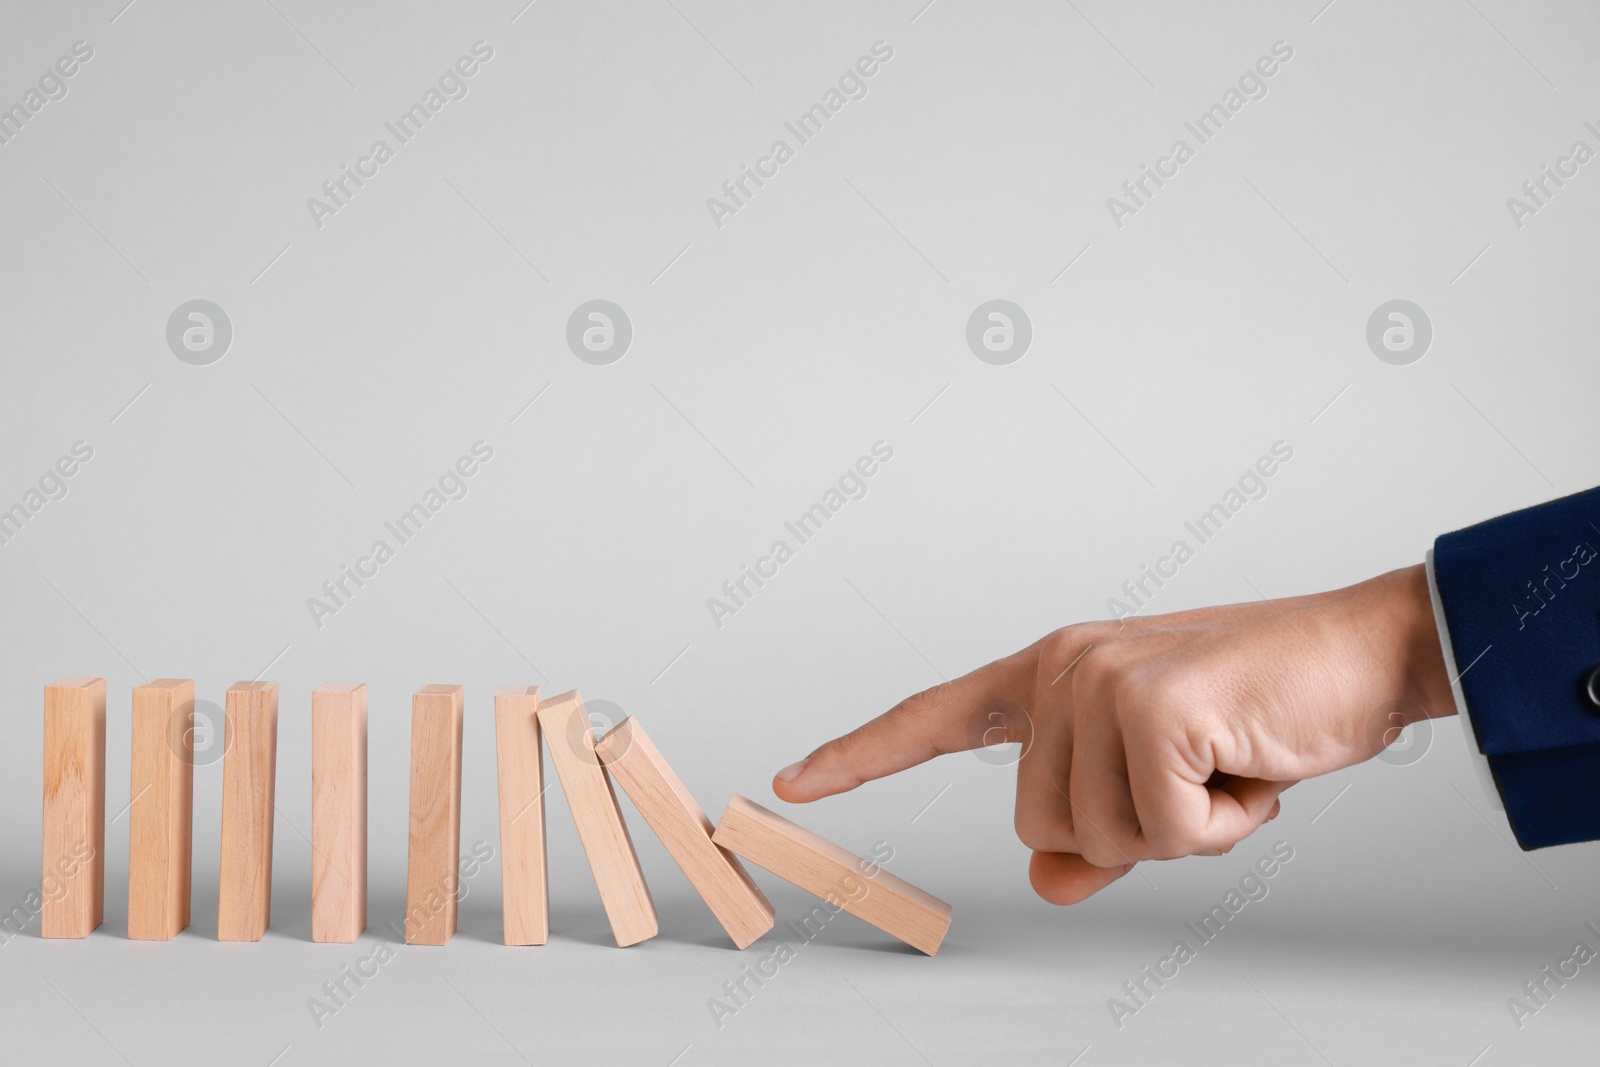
(161, 809)
(594, 810)
(858, 886)
(249, 779)
(661, 797)
(74, 881)
(433, 872)
(338, 813)
(519, 754)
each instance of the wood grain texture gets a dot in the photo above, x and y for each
(73, 886)
(519, 759)
(161, 809)
(249, 788)
(670, 809)
(600, 827)
(433, 872)
(845, 881)
(338, 812)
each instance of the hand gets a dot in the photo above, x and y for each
(1167, 736)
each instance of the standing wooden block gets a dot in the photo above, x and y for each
(338, 812)
(857, 886)
(519, 753)
(161, 809)
(249, 779)
(594, 810)
(433, 871)
(672, 813)
(74, 881)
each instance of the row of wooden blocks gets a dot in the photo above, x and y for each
(161, 787)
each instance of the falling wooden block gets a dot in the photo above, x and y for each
(160, 809)
(338, 812)
(855, 885)
(249, 777)
(433, 864)
(519, 754)
(600, 827)
(658, 793)
(73, 886)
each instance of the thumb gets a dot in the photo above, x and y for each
(977, 709)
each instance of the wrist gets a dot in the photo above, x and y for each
(1409, 629)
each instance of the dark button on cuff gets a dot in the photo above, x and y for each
(1591, 685)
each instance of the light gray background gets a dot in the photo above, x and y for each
(767, 356)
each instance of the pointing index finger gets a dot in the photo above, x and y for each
(985, 707)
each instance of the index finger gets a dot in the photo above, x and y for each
(985, 707)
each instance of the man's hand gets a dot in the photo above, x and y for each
(1171, 735)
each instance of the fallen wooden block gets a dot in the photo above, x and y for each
(519, 760)
(338, 813)
(672, 813)
(846, 882)
(73, 886)
(161, 809)
(433, 872)
(249, 780)
(594, 810)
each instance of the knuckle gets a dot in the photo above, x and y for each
(1062, 648)
(1164, 690)
(1167, 843)
(1040, 833)
(1103, 851)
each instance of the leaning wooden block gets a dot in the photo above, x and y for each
(338, 812)
(433, 871)
(74, 882)
(249, 780)
(855, 885)
(519, 757)
(161, 809)
(594, 810)
(672, 813)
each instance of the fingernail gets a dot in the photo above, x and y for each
(793, 771)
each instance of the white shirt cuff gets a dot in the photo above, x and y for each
(1480, 762)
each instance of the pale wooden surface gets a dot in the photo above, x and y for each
(338, 812)
(600, 827)
(818, 866)
(249, 780)
(670, 809)
(519, 758)
(74, 874)
(434, 856)
(161, 809)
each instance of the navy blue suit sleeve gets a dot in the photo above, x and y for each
(1521, 598)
